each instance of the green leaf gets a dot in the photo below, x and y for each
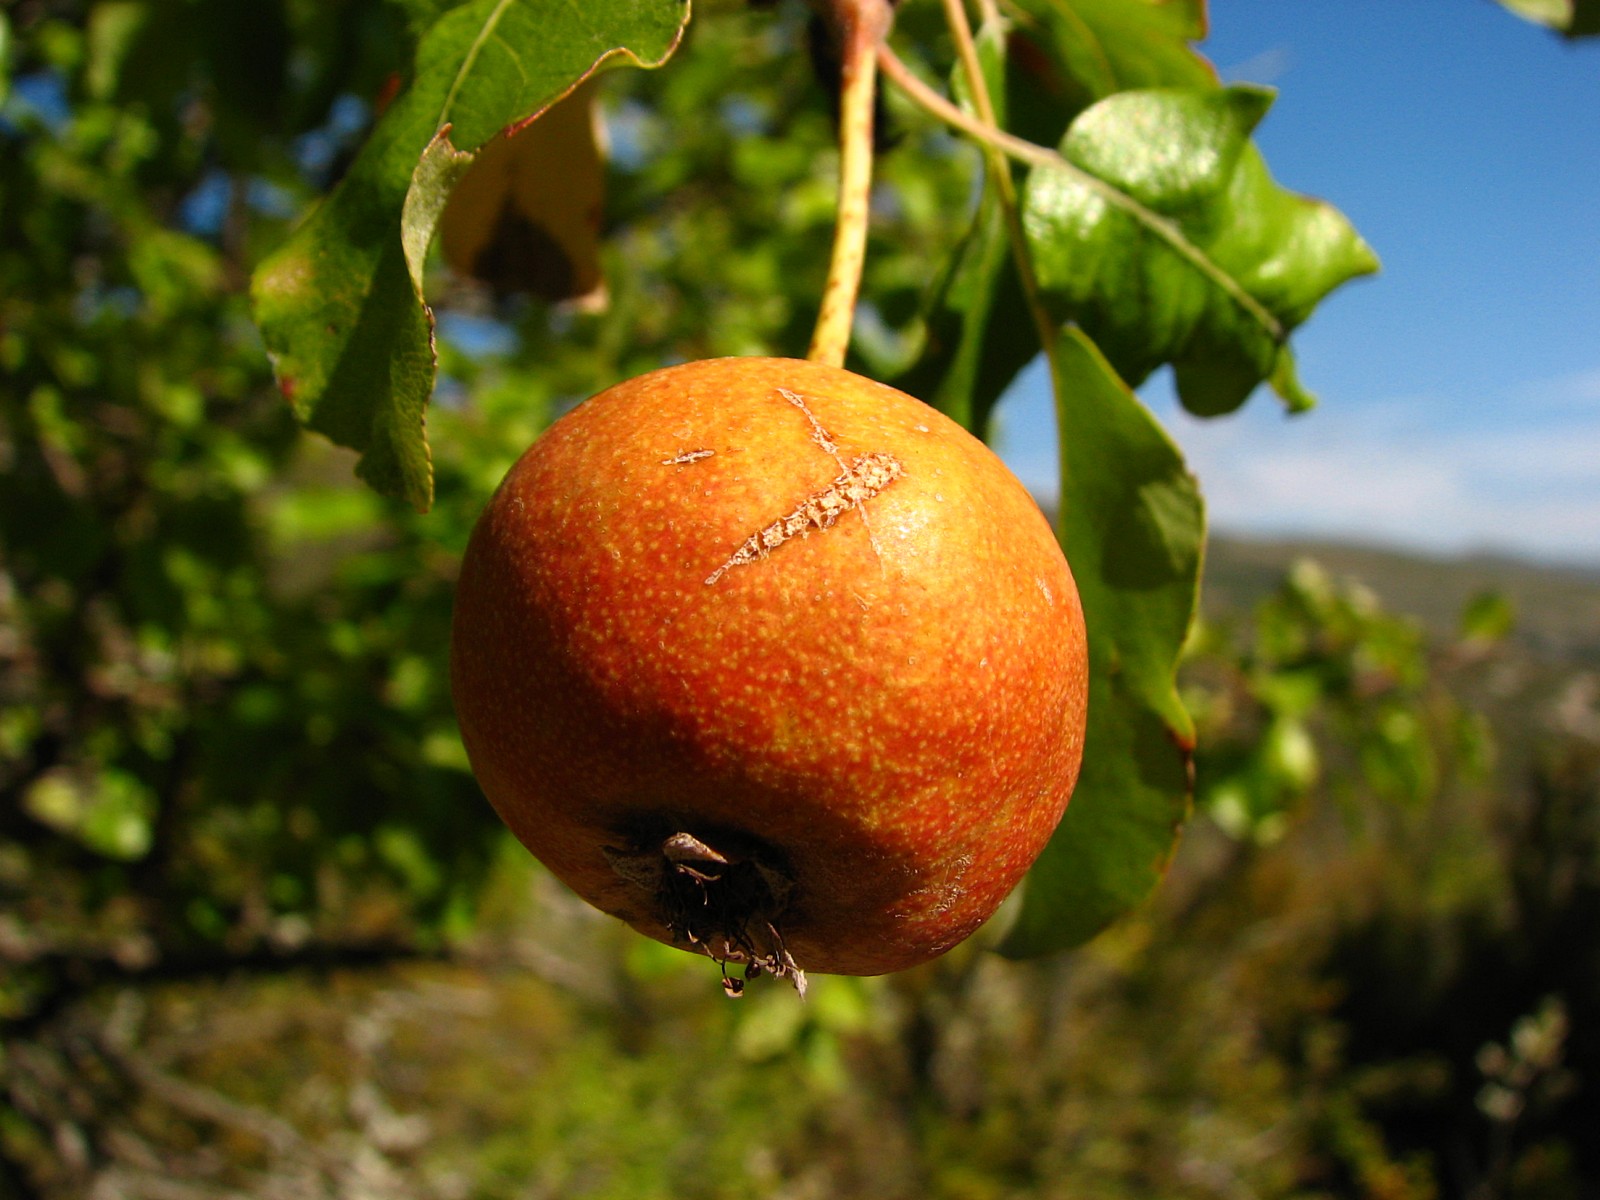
(979, 333)
(135, 50)
(1165, 237)
(1080, 51)
(350, 337)
(438, 171)
(1060, 56)
(1133, 526)
(108, 811)
(1570, 18)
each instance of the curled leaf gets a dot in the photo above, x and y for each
(526, 216)
(338, 306)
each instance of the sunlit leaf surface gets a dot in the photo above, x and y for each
(1169, 242)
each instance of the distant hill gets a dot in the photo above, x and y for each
(1558, 609)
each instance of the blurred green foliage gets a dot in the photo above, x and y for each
(1324, 666)
(259, 934)
(200, 757)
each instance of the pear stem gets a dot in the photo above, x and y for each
(860, 26)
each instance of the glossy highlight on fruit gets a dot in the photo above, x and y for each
(774, 663)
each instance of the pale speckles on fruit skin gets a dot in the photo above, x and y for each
(756, 694)
(858, 481)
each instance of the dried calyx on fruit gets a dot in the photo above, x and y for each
(774, 663)
(728, 904)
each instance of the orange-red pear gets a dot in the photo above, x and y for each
(772, 662)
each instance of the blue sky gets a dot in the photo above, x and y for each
(1460, 388)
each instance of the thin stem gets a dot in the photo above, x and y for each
(1000, 171)
(895, 69)
(861, 25)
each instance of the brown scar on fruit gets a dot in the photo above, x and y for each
(825, 440)
(818, 433)
(859, 481)
(862, 479)
(688, 456)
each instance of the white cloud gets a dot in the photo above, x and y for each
(1565, 392)
(1270, 66)
(1516, 473)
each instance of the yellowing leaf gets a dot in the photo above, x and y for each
(526, 216)
(1570, 18)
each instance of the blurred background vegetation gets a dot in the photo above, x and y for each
(260, 935)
